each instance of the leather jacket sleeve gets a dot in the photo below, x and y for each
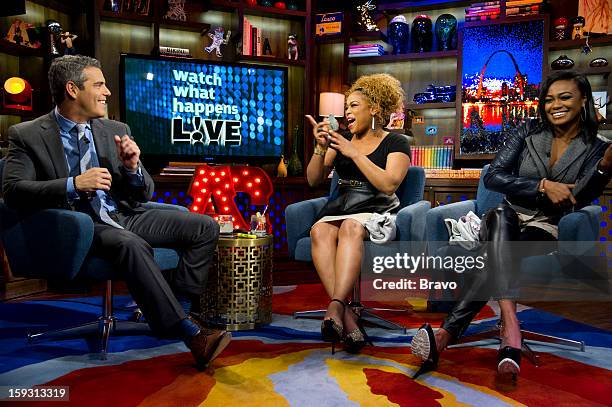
(503, 173)
(591, 183)
(503, 176)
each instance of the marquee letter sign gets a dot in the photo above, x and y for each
(214, 191)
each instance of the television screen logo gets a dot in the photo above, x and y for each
(223, 133)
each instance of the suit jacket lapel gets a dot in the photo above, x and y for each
(102, 147)
(539, 149)
(573, 155)
(50, 136)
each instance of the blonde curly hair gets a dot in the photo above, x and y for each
(383, 92)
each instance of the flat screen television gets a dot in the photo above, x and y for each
(194, 110)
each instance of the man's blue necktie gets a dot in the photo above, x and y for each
(101, 203)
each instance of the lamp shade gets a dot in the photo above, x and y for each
(17, 94)
(331, 103)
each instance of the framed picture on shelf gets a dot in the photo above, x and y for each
(598, 15)
(600, 98)
(501, 71)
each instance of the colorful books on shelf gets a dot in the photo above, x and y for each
(485, 4)
(482, 11)
(448, 173)
(481, 18)
(366, 50)
(523, 8)
(252, 41)
(517, 3)
(433, 156)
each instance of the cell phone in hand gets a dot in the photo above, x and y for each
(333, 123)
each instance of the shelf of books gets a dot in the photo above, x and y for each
(438, 157)
(492, 10)
(483, 11)
(260, 43)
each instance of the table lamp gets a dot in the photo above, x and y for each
(17, 94)
(331, 103)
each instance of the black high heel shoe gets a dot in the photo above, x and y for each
(332, 331)
(355, 340)
(509, 361)
(424, 346)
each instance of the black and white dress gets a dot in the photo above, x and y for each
(348, 170)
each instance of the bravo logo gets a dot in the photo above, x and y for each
(224, 133)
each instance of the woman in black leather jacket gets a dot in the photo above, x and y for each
(546, 169)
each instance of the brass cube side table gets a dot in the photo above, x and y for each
(239, 290)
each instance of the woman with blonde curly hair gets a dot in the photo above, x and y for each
(371, 163)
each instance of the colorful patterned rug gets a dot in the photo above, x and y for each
(285, 363)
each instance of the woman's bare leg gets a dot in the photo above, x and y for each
(443, 338)
(348, 265)
(324, 241)
(511, 330)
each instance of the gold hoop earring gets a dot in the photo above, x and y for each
(585, 114)
(373, 123)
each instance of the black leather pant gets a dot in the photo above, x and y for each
(499, 225)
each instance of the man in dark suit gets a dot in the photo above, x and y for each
(72, 158)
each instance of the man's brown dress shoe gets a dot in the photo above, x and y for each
(207, 345)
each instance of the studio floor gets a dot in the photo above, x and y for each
(285, 363)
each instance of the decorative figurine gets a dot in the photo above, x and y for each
(142, 7)
(365, 21)
(218, 38)
(421, 34)
(267, 49)
(35, 36)
(396, 120)
(111, 5)
(436, 94)
(578, 23)
(561, 25)
(281, 170)
(398, 33)
(563, 62)
(586, 48)
(128, 6)
(55, 31)
(66, 38)
(598, 62)
(176, 10)
(293, 50)
(446, 29)
(294, 166)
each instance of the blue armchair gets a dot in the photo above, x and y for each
(582, 225)
(410, 223)
(54, 244)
